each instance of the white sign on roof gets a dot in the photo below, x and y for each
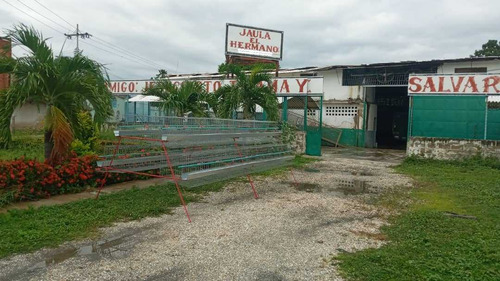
(298, 85)
(454, 84)
(254, 42)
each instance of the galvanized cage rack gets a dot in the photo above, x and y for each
(195, 151)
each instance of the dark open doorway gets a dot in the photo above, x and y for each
(392, 117)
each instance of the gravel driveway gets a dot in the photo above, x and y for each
(286, 234)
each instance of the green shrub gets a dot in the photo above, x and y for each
(80, 148)
(86, 134)
(288, 133)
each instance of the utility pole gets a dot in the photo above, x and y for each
(78, 35)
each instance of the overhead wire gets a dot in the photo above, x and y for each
(72, 26)
(104, 42)
(129, 57)
(124, 50)
(33, 17)
(41, 14)
(97, 47)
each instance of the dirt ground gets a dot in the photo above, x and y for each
(289, 233)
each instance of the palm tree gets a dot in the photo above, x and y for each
(250, 90)
(181, 99)
(65, 85)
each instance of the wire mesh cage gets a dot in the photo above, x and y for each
(195, 151)
(195, 148)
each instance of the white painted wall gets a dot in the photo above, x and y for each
(28, 116)
(333, 88)
(449, 67)
(341, 114)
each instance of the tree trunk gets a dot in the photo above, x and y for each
(48, 144)
(248, 115)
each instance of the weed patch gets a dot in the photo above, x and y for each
(425, 241)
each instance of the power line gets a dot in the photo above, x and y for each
(78, 35)
(126, 51)
(107, 51)
(119, 49)
(130, 57)
(40, 14)
(110, 45)
(33, 17)
(118, 76)
(72, 26)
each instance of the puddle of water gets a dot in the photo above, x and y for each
(346, 187)
(361, 173)
(113, 248)
(311, 170)
(384, 155)
(328, 169)
(307, 187)
(353, 186)
(61, 256)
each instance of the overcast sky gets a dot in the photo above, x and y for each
(188, 36)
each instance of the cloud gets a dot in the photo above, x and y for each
(188, 36)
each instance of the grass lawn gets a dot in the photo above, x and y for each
(27, 143)
(427, 244)
(29, 230)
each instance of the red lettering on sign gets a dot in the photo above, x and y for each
(285, 86)
(471, 83)
(131, 87)
(217, 85)
(430, 84)
(456, 87)
(149, 84)
(207, 85)
(491, 82)
(301, 85)
(441, 86)
(414, 84)
(255, 33)
(113, 86)
(275, 86)
(123, 87)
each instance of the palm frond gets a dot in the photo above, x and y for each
(251, 89)
(62, 135)
(29, 37)
(66, 85)
(183, 98)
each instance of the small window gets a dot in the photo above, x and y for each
(310, 74)
(311, 112)
(341, 110)
(471, 70)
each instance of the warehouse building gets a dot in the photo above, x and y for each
(370, 103)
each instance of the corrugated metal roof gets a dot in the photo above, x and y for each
(342, 66)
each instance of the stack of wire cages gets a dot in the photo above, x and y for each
(196, 151)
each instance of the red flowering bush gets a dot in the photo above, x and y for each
(24, 179)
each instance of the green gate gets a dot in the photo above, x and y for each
(305, 111)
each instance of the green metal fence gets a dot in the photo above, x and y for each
(493, 129)
(448, 117)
